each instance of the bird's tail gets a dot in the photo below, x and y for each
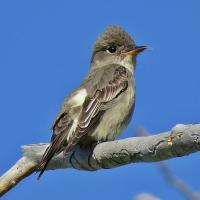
(52, 149)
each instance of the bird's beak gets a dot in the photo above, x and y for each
(137, 50)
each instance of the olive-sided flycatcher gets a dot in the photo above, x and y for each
(102, 106)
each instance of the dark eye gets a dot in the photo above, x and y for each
(111, 49)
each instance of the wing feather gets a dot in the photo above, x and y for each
(92, 112)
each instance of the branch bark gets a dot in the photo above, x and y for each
(180, 141)
(175, 182)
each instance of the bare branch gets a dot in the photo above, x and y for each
(145, 196)
(181, 140)
(180, 185)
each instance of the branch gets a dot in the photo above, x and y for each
(179, 184)
(180, 141)
(145, 196)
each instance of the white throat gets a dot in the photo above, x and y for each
(127, 62)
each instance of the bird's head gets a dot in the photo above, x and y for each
(115, 46)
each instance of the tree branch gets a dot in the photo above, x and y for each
(181, 140)
(177, 183)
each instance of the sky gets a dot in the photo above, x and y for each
(45, 49)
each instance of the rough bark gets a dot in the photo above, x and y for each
(180, 141)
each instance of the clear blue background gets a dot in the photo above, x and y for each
(45, 48)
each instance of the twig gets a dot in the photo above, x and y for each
(179, 184)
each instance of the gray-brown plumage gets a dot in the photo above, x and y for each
(102, 106)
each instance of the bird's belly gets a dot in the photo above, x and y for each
(115, 120)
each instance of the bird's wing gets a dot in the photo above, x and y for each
(112, 82)
(62, 126)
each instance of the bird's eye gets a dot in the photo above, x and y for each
(111, 49)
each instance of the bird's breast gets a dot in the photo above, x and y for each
(115, 119)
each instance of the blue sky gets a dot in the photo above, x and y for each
(45, 49)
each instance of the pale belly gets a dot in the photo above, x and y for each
(115, 119)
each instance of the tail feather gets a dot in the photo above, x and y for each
(42, 166)
(54, 148)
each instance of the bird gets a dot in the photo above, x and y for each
(102, 106)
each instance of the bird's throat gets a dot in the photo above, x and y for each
(128, 63)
